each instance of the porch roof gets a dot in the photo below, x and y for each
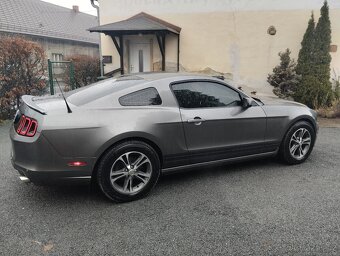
(140, 23)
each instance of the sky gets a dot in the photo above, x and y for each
(84, 5)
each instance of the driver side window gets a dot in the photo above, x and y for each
(204, 94)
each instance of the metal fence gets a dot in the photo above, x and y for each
(60, 76)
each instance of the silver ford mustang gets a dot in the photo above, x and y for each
(123, 133)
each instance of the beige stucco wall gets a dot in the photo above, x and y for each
(226, 41)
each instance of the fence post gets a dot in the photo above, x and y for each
(72, 75)
(50, 76)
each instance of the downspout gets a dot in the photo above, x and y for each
(100, 41)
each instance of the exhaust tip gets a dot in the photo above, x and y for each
(24, 179)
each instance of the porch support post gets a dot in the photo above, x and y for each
(120, 49)
(178, 51)
(163, 59)
(161, 43)
(121, 44)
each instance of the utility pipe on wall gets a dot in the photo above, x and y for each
(100, 39)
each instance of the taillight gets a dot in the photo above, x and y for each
(27, 126)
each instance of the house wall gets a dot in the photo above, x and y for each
(68, 48)
(228, 39)
(58, 46)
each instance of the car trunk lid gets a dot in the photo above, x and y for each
(46, 105)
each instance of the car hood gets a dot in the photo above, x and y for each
(281, 102)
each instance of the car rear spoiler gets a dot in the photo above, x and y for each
(28, 100)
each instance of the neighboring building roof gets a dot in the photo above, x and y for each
(38, 18)
(139, 22)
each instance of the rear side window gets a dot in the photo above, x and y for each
(145, 97)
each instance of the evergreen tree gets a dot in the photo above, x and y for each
(284, 77)
(305, 66)
(305, 60)
(322, 57)
(315, 89)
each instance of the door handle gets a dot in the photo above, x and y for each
(196, 120)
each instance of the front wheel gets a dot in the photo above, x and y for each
(128, 171)
(298, 143)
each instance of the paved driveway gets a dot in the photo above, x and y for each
(257, 208)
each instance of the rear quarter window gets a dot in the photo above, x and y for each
(145, 97)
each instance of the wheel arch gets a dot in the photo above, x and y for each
(282, 153)
(306, 118)
(115, 141)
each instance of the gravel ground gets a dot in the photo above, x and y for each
(256, 208)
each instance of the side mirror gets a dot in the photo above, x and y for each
(246, 102)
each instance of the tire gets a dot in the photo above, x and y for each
(295, 149)
(122, 178)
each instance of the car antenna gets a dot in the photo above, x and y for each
(68, 107)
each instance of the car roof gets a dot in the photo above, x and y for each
(128, 83)
(154, 76)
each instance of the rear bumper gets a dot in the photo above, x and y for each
(36, 159)
(51, 177)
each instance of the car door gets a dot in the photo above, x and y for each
(216, 126)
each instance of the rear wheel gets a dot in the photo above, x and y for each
(298, 143)
(128, 171)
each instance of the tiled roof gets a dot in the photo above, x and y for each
(139, 22)
(35, 17)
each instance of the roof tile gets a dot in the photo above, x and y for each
(39, 18)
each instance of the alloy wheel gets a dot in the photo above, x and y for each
(130, 172)
(300, 143)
